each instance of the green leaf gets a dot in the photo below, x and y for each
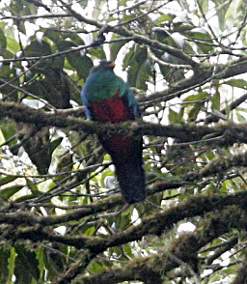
(82, 64)
(3, 41)
(98, 53)
(33, 187)
(25, 197)
(222, 7)
(6, 179)
(241, 118)
(7, 55)
(142, 76)
(204, 5)
(128, 250)
(205, 43)
(75, 38)
(115, 47)
(174, 117)
(11, 265)
(123, 220)
(38, 48)
(26, 266)
(7, 192)
(40, 255)
(54, 144)
(138, 66)
(12, 44)
(215, 100)
(54, 260)
(129, 57)
(200, 97)
(96, 267)
(8, 129)
(54, 36)
(5, 72)
(193, 113)
(4, 256)
(90, 231)
(164, 19)
(238, 83)
(65, 44)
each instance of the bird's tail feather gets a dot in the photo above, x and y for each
(131, 179)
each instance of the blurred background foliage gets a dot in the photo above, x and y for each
(46, 54)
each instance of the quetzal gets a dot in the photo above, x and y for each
(107, 98)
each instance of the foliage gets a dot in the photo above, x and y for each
(60, 216)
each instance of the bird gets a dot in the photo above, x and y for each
(107, 98)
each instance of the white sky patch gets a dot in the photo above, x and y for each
(187, 227)
(225, 259)
(110, 182)
(43, 211)
(206, 272)
(61, 230)
(135, 219)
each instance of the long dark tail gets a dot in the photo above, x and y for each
(126, 154)
(131, 179)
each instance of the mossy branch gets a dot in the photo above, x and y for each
(183, 251)
(155, 224)
(226, 134)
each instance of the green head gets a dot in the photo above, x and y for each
(103, 83)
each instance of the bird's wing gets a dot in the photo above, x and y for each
(86, 103)
(128, 98)
(131, 103)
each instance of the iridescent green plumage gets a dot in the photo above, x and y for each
(108, 98)
(104, 85)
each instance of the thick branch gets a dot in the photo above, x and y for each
(34, 17)
(199, 78)
(215, 118)
(184, 250)
(228, 133)
(221, 164)
(241, 276)
(155, 224)
(103, 205)
(78, 267)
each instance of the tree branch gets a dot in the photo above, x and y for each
(203, 75)
(241, 276)
(184, 249)
(228, 133)
(154, 225)
(136, 37)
